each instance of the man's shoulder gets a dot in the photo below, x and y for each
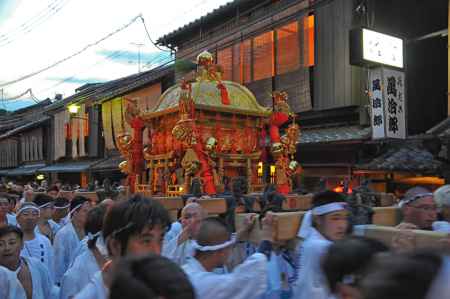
(95, 289)
(43, 239)
(35, 265)
(316, 245)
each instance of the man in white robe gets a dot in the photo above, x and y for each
(91, 258)
(175, 230)
(68, 238)
(5, 217)
(325, 223)
(61, 211)
(10, 285)
(132, 227)
(35, 245)
(179, 249)
(213, 248)
(46, 226)
(31, 273)
(83, 270)
(12, 220)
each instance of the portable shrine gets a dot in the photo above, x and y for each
(206, 130)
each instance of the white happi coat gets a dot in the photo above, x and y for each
(95, 289)
(11, 219)
(40, 249)
(43, 286)
(279, 274)
(179, 254)
(441, 226)
(79, 275)
(10, 287)
(175, 230)
(247, 281)
(65, 244)
(311, 282)
(53, 226)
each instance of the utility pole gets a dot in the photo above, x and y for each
(139, 54)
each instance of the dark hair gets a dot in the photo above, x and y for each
(61, 202)
(407, 276)
(136, 279)
(94, 222)
(77, 200)
(326, 197)
(350, 257)
(211, 232)
(132, 216)
(11, 229)
(53, 188)
(12, 198)
(41, 199)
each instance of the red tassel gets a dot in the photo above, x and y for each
(224, 94)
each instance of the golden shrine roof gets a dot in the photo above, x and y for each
(207, 96)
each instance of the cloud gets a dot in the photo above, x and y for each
(7, 8)
(127, 57)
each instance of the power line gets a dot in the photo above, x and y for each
(113, 55)
(71, 56)
(149, 37)
(17, 97)
(28, 26)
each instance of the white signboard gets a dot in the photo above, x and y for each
(394, 104)
(376, 103)
(382, 48)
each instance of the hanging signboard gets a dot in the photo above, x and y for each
(376, 104)
(394, 106)
(387, 103)
(371, 49)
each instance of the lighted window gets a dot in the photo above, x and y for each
(237, 71)
(263, 56)
(225, 60)
(288, 48)
(246, 61)
(308, 41)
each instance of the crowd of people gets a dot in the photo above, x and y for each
(57, 247)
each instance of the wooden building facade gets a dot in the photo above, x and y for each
(303, 47)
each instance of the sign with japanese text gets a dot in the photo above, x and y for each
(387, 103)
(394, 103)
(376, 103)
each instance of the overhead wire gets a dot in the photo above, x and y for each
(150, 38)
(28, 26)
(70, 56)
(19, 96)
(113, 55)
(159, 59)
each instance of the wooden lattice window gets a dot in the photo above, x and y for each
(288, 48)
(225, 60)
(263, 56)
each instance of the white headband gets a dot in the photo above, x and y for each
(406, 201)
(307, 223)
(45, 205)
(329, 208)
(228, 243)
(92, 236)
(63, 207)
(76, 208)
(23, 209)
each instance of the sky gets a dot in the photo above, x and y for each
(35, 34)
